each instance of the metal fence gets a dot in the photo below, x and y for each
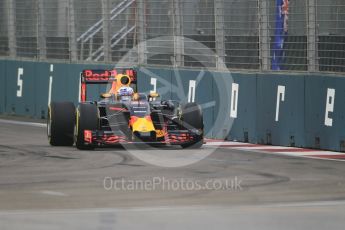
(240, 33)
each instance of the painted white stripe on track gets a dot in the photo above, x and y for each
(225, 143)
(311, 153)
(33, 124)
(52, 193)
(170, 208)
(258, 148)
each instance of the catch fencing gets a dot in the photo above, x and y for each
(242, 35)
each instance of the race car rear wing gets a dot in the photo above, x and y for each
(98, 76)
(106, 76)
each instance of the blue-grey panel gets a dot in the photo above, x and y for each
(317, 134)
(24, 105)
(203, 92)
(2, 86)
(244, 126)
(62, 82)
(289, 129)
(221, 95)
(65, 83)
(180, 83)
(163, 78)
(41, 76)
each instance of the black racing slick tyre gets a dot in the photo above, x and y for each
(192, 119)
(60, 123)
(87, 119)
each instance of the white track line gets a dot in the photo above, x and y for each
(280, 150)
(171, 208)
(52, 193)
(263, 147)
(218, 143)
(316, 153)
(33, 124)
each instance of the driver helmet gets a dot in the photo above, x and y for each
(125, 93)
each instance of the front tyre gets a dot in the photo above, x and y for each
(60, 123)
(192, 119)
(87, 119)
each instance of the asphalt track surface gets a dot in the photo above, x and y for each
(44, 187)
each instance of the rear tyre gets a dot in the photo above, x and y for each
(87, 119)
(192, 119)
(60, 123)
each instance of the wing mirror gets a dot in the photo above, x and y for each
(153, 96)
(106, 95)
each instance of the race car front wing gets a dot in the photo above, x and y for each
(107, 138)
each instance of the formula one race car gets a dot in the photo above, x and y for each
(123, 116)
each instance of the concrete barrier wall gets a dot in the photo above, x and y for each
(245, 123)
(20, 88)
(2, 86)
(278, 109)
(324, 112)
